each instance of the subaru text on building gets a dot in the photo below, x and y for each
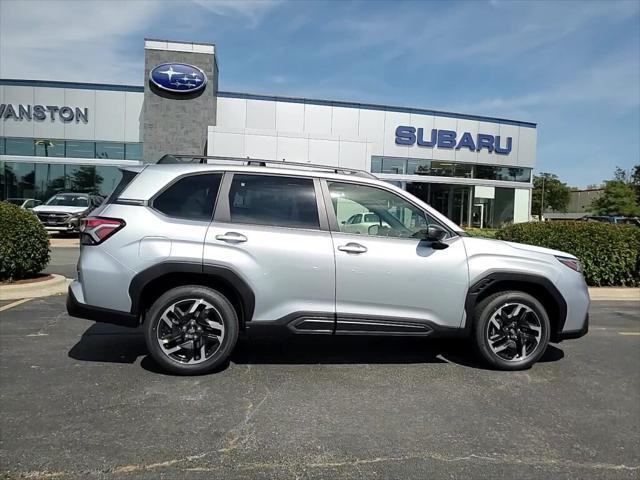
(198, 252)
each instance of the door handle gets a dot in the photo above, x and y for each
(352, 247)
(232, 237)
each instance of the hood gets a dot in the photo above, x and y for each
(479, 245)
(58, 209)
(533, 248)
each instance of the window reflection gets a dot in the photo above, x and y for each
(438, 168)
(42, 181)
(19, 146)
(80, 149)
(133, 151)
(110, 150)
(51, 147)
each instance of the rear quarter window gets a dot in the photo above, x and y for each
(191, 198)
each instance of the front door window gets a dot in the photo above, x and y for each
(381, 213)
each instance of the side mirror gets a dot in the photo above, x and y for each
(435, 233)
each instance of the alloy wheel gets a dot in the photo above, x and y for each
(514, 332)
(190, 331)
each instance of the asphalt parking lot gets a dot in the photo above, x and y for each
(81, 400)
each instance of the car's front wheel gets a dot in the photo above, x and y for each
(191, 330)
(511, 330)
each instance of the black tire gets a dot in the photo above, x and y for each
(225, 313)
(482, 316)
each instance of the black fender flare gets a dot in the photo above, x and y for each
(216, 272)
(495, 277)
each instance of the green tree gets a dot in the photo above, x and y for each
(86, 179)
(634, 180)
(618, 198)
(556, 193)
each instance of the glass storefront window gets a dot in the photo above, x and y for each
(133, 151)
(110, 150)
(3, 185)
(492, 207)
(19, 146)
(19, 180)
(80, 149)
(83, 178)
(109, 177)
(50, 179)
(376, 164)
(438, 168)
(52, 147)
(511, 174)
(46, 147)
(394, 165)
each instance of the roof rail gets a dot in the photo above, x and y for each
(202, 159)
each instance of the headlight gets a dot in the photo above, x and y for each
(572, 263)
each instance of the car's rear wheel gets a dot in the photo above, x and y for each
(191, 330)
(511, 330)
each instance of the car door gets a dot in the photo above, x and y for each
(272, 230)
(387, 280)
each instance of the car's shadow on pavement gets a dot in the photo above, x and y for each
(107, 343)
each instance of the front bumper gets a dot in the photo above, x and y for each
(68, 228)
(59, 222)
(97, 314)
(570, 334)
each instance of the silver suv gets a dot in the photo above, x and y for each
(198, 252)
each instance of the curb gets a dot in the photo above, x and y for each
(54, 286)
(623, 294)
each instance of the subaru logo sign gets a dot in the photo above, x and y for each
(178, 78)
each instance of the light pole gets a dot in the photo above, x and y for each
(544, 176)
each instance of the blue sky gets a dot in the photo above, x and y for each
(572, 67)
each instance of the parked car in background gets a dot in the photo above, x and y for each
(617, 219)
(360, 223)
(63, 211)
(26, 203)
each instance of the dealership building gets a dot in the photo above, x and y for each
(64, 136)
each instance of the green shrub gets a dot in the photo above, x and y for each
(610, 254)
(24, 243)
(482, 232)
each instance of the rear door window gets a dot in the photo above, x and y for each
(191, 198)
(273, 200)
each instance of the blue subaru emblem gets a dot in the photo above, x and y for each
(178, 78)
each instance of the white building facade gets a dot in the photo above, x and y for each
(58, 136)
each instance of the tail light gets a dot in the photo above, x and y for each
(95, 230)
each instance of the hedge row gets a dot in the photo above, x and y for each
(24, 243)
(482, 232)
(610, 254)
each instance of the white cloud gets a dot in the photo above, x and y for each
(252, 11)
(99, 41)
(612, 85)
(72, 40)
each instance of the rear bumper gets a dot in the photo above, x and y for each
(570, 334)
(97, 314)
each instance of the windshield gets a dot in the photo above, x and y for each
(69, 201)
